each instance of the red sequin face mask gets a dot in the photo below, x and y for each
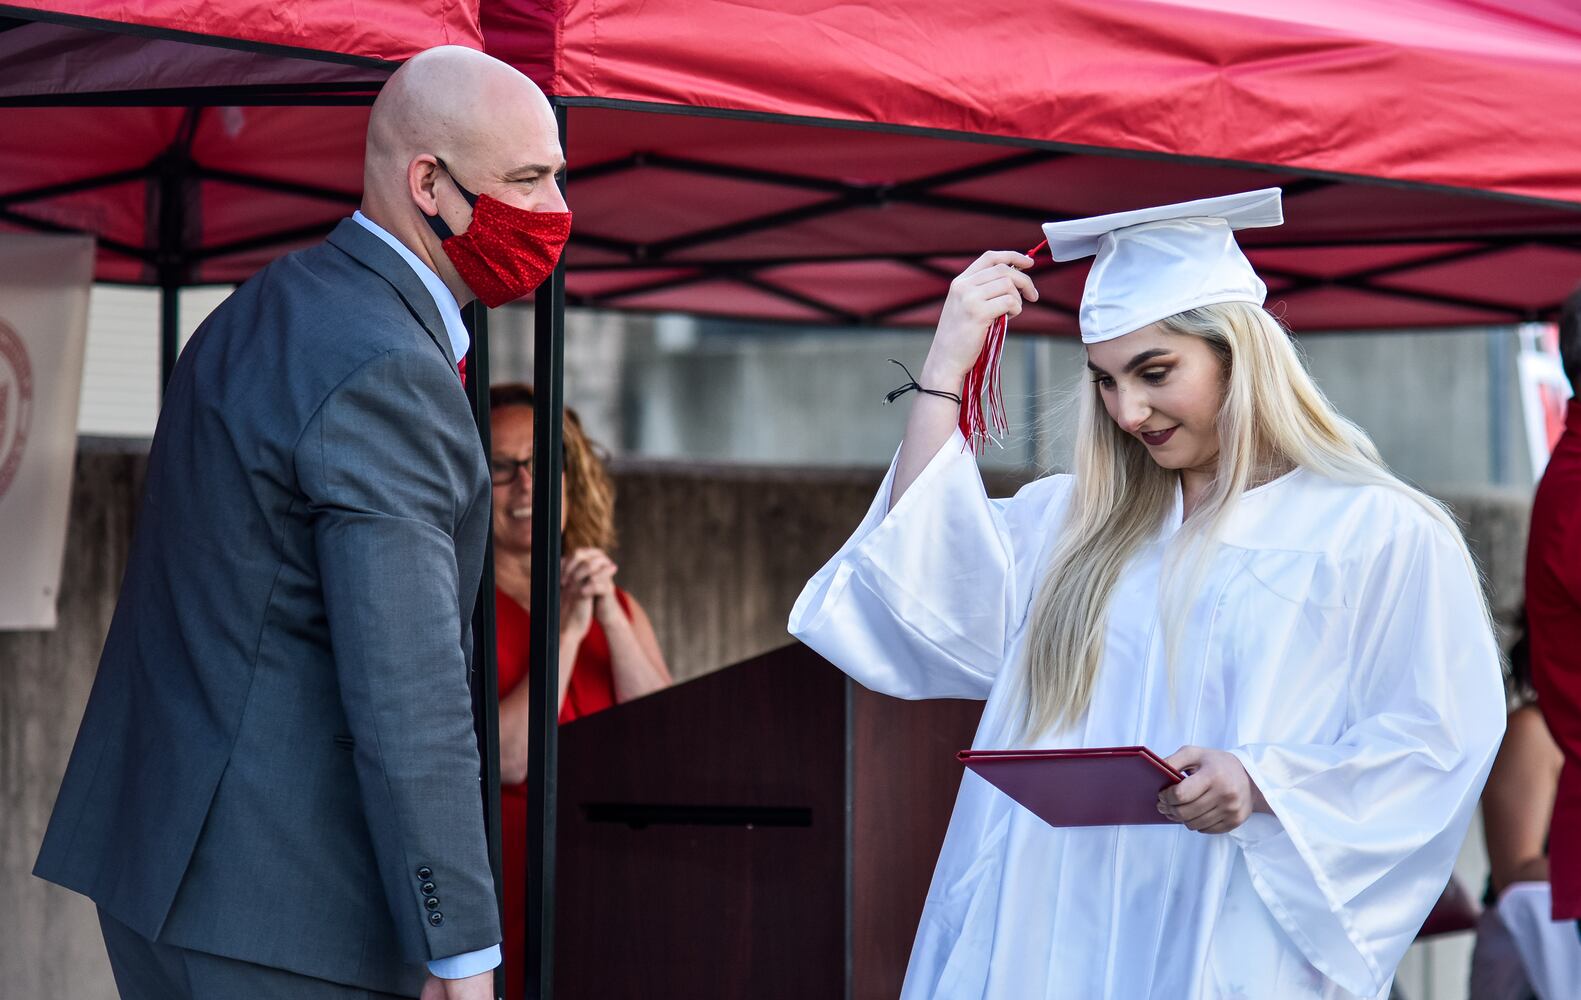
(506, 251)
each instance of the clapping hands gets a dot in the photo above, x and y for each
(587, 577)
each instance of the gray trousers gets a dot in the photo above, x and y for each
(147, 970)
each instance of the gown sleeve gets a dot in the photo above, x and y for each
(921, 601)
(1365, 831)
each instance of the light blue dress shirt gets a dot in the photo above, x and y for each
(449, 311)
(473, 962)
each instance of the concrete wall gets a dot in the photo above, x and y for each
(49, 938)
(717, 554)
(1442, 406)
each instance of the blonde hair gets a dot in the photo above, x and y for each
(1273, 418)
(589, 491)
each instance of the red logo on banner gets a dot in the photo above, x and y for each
(16, 403)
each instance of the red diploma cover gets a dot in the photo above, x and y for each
(1100, 786)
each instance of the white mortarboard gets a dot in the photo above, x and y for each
(1155, 262)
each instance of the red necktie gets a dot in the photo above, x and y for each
(461, 369)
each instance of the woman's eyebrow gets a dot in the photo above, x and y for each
(1134, 363)
(1144, 358)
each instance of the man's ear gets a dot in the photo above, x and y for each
(421, 176)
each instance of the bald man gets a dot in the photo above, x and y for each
(275, 789)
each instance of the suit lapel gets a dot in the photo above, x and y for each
(374, 254)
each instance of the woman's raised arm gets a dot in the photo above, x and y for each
(994, 285)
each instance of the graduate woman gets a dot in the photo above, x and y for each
(1230, 570)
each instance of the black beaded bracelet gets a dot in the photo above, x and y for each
(914, 384)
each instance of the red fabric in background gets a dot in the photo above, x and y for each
(592, 690)
(390, 30)
(592, 680)
(1149, 100)
(1465, 93)
(1553, 615)
(1330, 231)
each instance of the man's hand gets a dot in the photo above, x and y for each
(1217, 795)
(478, 987)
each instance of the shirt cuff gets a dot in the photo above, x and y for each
(467, 964)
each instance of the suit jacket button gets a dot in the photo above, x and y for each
(428, 888)
(432, 902)
(424, 873)
(436, 918)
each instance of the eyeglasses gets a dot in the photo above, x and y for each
(503, 470)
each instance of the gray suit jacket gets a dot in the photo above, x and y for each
(277, 763)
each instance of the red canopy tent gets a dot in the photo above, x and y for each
(124, 47)
(820, 163)
(809, 162)
(841, 167)
(197, 142)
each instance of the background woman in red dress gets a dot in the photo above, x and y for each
(609, 653)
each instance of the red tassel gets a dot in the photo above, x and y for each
(982, 400)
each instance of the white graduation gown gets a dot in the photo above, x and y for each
(1337, 646)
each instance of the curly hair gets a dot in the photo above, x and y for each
(589, 491)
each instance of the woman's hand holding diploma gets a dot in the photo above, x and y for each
(1217, 795)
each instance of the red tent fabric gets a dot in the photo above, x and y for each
(198, 141)
(1477, 94)
(249, 182)
(819, 163)
(339, 31)
(809, 162)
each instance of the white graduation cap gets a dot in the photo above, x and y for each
(1156, 262)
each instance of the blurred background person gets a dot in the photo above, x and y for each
(1546, 934)
(1517, 806)
(1553, 611)
(609, 653)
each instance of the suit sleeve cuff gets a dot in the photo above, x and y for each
(467, 964)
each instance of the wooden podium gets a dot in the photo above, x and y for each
(766, 831)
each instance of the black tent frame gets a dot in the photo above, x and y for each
(174, 173)
(677, 252)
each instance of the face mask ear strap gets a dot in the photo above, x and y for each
(440, 227)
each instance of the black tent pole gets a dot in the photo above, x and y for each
(170, 256)
(485, 671)
(169, 329)
(544, 655)
(171, 174)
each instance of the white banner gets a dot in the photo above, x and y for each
(44, 284)
(1545, 392)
